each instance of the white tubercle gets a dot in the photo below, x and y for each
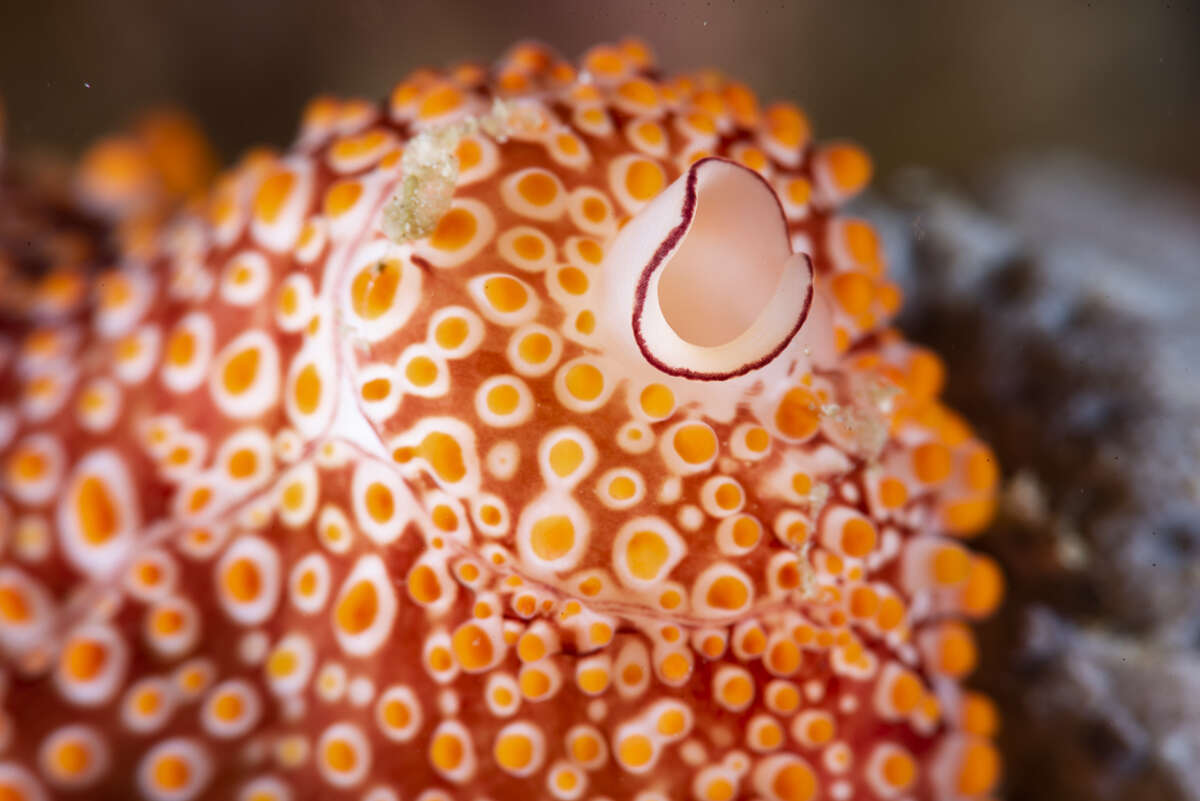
(702, 285)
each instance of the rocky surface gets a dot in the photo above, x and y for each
(1063, 296)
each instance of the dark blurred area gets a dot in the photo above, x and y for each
(948, 85)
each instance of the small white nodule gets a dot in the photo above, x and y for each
(703, 281)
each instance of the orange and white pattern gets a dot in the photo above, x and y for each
(296, 511)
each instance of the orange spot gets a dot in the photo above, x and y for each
(573, 281)
(538, 188)
(472, 647)
(396, 713)
(307, 390)
(980, 768)
(240, 371)
(849, 166)
(451, 332)
(242, 463)
(695, 443)
(956, 652)
(737, 691)
(591, 251)
(864, 602)
(982, 472)
(535, 348)
(341, 197)
(84, 659)
(534, 683)
(421, 371)
(646, 553)
(640, 92)
(514, 751)
(565, 457)
(357, 609)
(931, 462)
(469, 154)
(181, 348)
(604, 60)
(356, 147)
(243, 581)
(657, 401)
(595, 209)
(799, 190)
(787, 125)
(853, 291)
(622, 488)
(444, 518)
(374, 288)
(552, 537)
(979, 715)
(798, 414)
(98, 516)
(906, 692)
(379, 502)
(727, 592)
(376, 390)
(171, 772)
(635, 751)
(455, 230)
(272, 194)
(858, 537)
(281, 664)
(754, 641)
(585, 382)
(228, 707)
(443, 454)
(530, 247)
(505, 294)
(951, 565)
(984, 589)
(644, 179)
(585, 748)
(820, 729)
(423, 584)
(891, 613)
(862, 242)
(440, 100)
(71, 758)
(600, 633)
(892, 493)
(340, 756)
(969, 516)
(899, 770)
(757, 439)
(785, 658)
(727, 495)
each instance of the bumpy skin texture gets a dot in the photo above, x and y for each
(300, 511)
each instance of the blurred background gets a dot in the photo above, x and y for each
(1038, 191)
(945, 84)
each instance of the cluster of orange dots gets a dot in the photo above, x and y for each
(416, 513)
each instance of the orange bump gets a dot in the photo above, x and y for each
(858, 537)
(849, 166)
(455, 230)
(98, 516)
(644, 179)
(357, 609)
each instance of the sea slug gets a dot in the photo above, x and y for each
(538, 432)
